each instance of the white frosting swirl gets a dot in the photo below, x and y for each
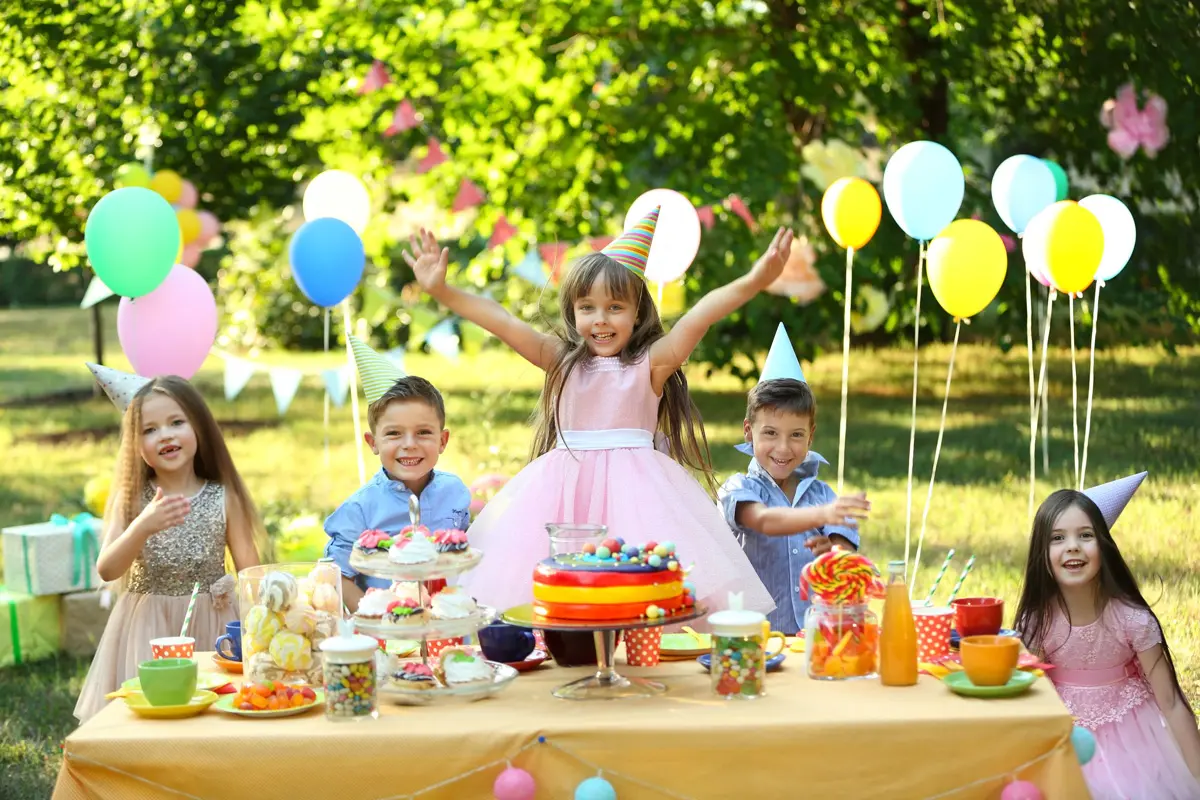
(459, 669)
(417, 550)
(375, 603)
(453, 603)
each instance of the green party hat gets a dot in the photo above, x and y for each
(375, 373)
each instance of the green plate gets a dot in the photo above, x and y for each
(685, 643)
(959, 683)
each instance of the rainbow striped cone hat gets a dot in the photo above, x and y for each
(632, 248)
(119, 386)
(1112, 497)
(375, 373)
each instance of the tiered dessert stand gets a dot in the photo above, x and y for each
(422, 574)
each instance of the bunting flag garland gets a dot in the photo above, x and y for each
(337, 384)
(285, 382)
(238, 373)
(377, 77)
(96, 292)
(707, 219)
(501, 233)
(532, 269)
(434, 158)
(469, 195)
(443, 339)
(404, 118)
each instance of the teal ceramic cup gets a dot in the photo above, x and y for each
(168, 681)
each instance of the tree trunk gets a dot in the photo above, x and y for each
(97, 342)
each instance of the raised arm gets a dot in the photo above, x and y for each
(670, 352)
(429, 264)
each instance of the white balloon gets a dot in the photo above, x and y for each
(676, 236)
(338, 194)
(1032, 249)
(1120, 233)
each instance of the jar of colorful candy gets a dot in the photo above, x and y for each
(841, 640)
(350, 677)
(739, 653)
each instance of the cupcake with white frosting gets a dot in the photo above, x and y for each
(413, 551)
(458, 667)
(452, 603)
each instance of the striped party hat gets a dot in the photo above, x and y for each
(375, 373)
(119, 386)
(632, 247)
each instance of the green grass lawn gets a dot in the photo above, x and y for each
(1144, 418)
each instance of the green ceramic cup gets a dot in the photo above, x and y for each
(168, 681)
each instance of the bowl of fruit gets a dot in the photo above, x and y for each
(270, 699)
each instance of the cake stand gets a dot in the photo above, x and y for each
(606, 684)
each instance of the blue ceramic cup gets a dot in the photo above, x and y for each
(505, 643)
(232, 641)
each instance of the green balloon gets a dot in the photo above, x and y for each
(1060, 179)
(132, 238)
(132, 175)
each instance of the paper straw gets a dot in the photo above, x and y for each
(966, 571)
(187, 618)
(938, 579)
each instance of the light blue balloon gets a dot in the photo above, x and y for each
(1021, 187)
(327, 260)
(1084, 743)
(595, 789)
(923, 187)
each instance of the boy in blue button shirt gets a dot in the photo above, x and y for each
(782, 513)
(407, 421)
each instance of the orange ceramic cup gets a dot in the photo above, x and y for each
(990, 660)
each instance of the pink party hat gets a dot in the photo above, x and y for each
(632, 248)
(119, 386)
(1112, 497)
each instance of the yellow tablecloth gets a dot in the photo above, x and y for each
(805, 739)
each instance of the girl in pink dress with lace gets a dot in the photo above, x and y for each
(613, 381)
(1081, 610)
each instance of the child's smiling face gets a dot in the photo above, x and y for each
(408, 438)
(781, 440)
(168, 439)
(604, 322)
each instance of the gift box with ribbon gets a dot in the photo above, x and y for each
(84, 616)
(53, 557)
(29, 627)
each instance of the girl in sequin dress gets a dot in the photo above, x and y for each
(613, 381)
(1081, 610)
(177, 503)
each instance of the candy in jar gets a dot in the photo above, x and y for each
(739, 663)
(840, 641)
(350, 677)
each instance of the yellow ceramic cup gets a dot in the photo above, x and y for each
(768, 635)
(990, 660)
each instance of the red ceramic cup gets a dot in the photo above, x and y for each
(978, 616)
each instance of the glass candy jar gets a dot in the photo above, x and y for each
(841, 641)
(568, 538)
(738, 664)
(351, 677)
(287, 610)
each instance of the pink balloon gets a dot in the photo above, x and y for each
(187, 196)
(170, 330)
(191, 255)
(1021, 790)
(514, 784)
(210, 226)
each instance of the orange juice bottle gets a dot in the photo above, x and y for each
(898, 639)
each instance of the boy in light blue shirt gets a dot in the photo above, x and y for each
(407, 421)
(782, 513)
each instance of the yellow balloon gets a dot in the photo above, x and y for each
(132, 174)
(851, 211)
(967, 262)
(674, 299)
(189, 224)
(168, 184)
(1067, 241)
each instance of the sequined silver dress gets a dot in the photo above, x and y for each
(158, 589)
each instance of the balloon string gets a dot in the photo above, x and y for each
(937, 452)
(1045, 344)
(362, 467)
(1087, 425)
(326, 420)
(1074, 388)
(912, 434)
(845, 368)
(1032, 397)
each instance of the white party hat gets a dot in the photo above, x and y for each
(781, 359)
(119, 386)
(1112, 497)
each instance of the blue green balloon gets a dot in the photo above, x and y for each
(1084, 743)
(595, 789)
(132, 239)
(923, 186)
(1060, 180)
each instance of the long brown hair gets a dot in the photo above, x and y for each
(678, 417)
(1041, 596)
(212, 461)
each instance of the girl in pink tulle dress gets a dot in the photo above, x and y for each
(613, 381)
(1081, 610)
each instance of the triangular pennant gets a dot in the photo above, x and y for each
(337, 383)
(285, 382)
(238, 373)
(469, 195)
(96, 291)
(781, 359)
(532, 269)
(119, 386)
(376, 78)
(443, 339)
(738, 206)
(1112, 497)
(403, 119)
(553, 256)
(375, 373)
(396, 356)
(707, 218)
(433, 158)
(598, 243)
(502, 232)
(632, 247)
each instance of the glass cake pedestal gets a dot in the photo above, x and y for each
(607, 683)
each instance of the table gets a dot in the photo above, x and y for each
(807, 738)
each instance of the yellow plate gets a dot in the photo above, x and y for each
(201, 700)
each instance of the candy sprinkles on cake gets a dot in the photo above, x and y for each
(613, 581)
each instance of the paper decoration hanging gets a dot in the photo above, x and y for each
(435, 157)
(404, 118)
(238, 373)
(469, 195)
(502, 232)
(285, 382)
(96, 292)
(377, 77)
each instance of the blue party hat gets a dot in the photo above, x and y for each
(781, 359)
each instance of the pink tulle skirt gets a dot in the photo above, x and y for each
(1137, 758)
(639, 493)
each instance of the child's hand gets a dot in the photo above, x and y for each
(820, 545)
(165, 512)
(428, 264)
(847, 510)
(771, 265)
